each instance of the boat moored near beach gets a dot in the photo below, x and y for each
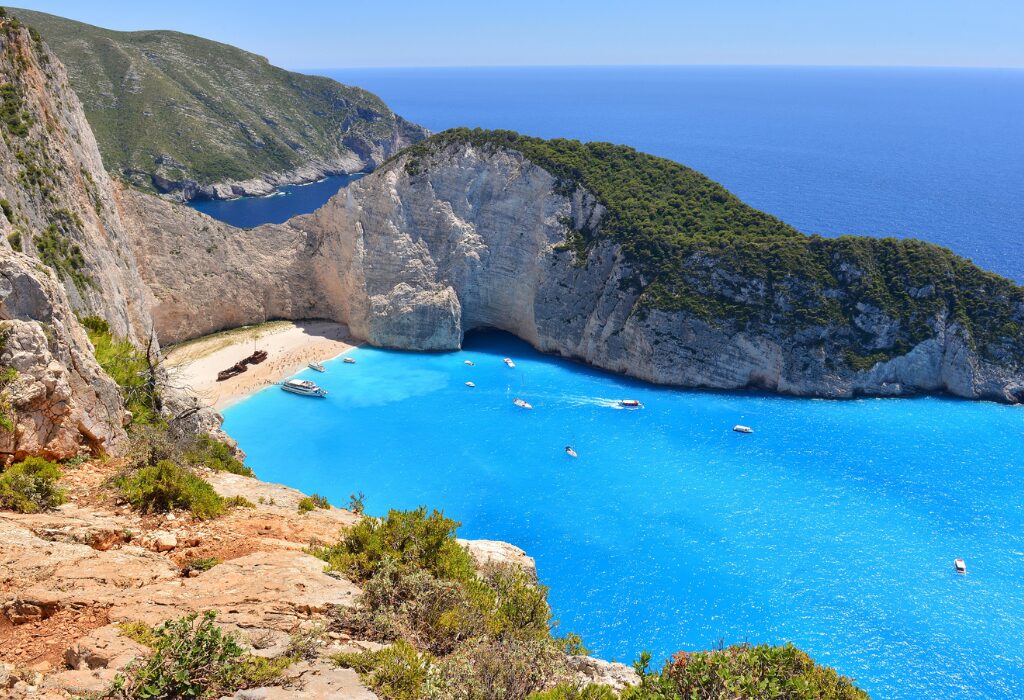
(349, 360)
(317, 366)
(303, 387)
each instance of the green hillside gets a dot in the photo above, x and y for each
(185, 108)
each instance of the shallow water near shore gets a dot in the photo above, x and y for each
(833, 526)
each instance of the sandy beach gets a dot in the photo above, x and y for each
(290, 345)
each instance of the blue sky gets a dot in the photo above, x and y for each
(368, 33)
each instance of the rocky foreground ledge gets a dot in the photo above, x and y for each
(69, 577)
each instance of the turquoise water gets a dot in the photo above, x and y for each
(288, 201)
(834, 525)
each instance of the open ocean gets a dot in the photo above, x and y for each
(835, 524)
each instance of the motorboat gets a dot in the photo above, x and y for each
(521, 403)
(571, 452)
(317, 366)
(349, 360)
(303, 387)
(468, 362)
(508, 361)
(630, 403)
(742, 429)
(470, 384)
(960, 565)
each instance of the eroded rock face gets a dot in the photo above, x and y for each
(60, 400)
(476, 239)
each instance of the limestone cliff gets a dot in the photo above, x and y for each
(441, 242)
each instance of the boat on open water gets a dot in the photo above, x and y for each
(630, 403)
(742, 429)
(508, 361)
(521, 403)
(571, 452)
(303, 387)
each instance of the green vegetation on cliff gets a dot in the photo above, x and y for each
(696, 247)
(181, 107)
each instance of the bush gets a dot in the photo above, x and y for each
(201, 564)
(192, 658)
(309, 503)
(398, 672)
(411, 538)
(167, 486)
(357, 503)
(489, 670)
(31, 486)
(215, 455)
(743, 671)
(128, 367)
(568, 691)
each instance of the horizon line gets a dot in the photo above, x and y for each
(663, 65)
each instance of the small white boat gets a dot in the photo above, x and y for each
(571, 452)
(349, 360)
(317, 366)
(630, 403)
(521, 403)
(742, 429)
(508, 361)
(468, 362)
(303, 387)
(470, 384)
(960, 565)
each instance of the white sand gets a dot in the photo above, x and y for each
(291, 346)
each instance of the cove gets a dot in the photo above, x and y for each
(833, 526)
(288, 201)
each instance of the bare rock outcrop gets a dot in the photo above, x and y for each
(59, 400)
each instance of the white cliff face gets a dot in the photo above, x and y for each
(476, 239)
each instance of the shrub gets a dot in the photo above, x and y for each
(139, 632)
(357, 503)
(31, 486)
(490, 670)
(742, 671)
(398, 672)
(412, 538)
(215, 455)
(568, 691)
(193, 658)
(167, 486)
(128, 367)
(201, 564)
(238, 502)
(309, 503)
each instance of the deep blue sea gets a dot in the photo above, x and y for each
(288, 201)
(936, 154)
(833, 526)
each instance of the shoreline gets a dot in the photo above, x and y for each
(194, 364)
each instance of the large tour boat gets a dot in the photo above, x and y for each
(303, 387)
